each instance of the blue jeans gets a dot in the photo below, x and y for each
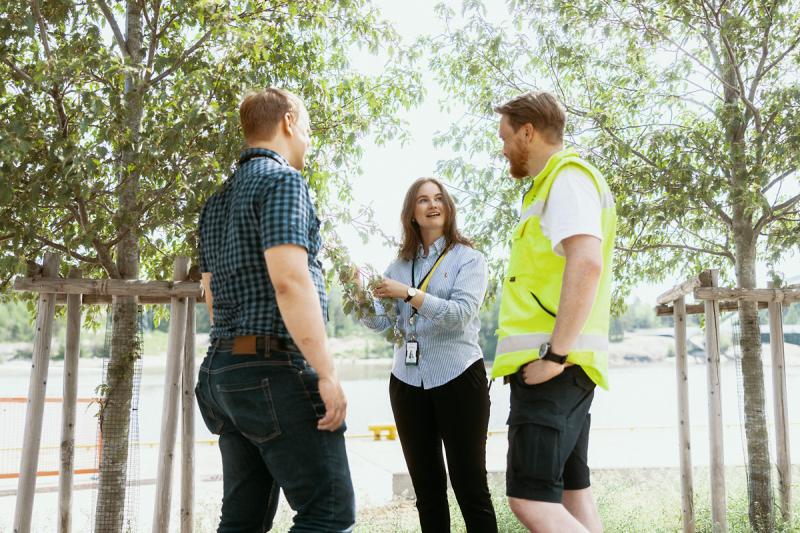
(265, 407)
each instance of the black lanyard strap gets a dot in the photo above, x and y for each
(419, 285)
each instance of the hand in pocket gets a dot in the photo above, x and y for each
(539, 371)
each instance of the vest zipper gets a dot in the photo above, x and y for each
(512, 279)
(546, 310)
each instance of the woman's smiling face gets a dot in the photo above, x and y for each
(430, 210)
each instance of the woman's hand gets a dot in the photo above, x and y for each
(389, 288)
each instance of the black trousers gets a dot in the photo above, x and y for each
(456, 414)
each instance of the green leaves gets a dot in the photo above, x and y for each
(60, 187)
(642, 83)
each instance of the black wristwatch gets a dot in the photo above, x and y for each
(546, 353)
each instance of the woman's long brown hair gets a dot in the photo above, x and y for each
(412, 239)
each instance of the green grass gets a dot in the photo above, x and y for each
(630, 501)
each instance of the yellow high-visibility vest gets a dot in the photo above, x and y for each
(532, 284)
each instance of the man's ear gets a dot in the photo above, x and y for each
(286, 124)
(529, 131)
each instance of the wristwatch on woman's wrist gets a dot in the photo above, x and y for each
(411, 293)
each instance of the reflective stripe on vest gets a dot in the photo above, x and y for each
(583, 343)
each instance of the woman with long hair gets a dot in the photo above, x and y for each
(438, 387)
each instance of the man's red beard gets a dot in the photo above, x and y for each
(518, 161)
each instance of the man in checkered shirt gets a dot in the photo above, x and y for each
(268, 386)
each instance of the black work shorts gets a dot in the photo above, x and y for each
(548, 436)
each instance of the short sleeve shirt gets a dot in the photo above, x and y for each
(265, 203)
(573, 208)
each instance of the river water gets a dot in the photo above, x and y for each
(634, 425)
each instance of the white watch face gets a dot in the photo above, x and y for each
(412, 292)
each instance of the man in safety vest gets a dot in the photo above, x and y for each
(554, 315)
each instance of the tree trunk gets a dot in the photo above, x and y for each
(759, 467)
(115, 419)
(125, 349)
(745, 238)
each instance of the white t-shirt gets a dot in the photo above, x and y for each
(573, 208)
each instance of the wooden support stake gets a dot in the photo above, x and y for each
(71, 357)
(172, 388)
(710, 278)
(37, 389)
(684, 436)
(781, 408)
(678, 291)
(187, 426)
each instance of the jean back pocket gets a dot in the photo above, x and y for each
(250, 408)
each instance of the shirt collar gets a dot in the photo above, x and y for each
(251, 153)
(552, 161)
(436, 247)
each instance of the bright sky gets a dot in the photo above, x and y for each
(389, 170)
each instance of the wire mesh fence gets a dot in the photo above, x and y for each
(117, 496)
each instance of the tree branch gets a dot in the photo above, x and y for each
(696, 102)
(68, 251)
(764, 54)
(680, 47)
(781, 56)
(40, 23)
(154, 36)
(776, 212)
(702, 239)
(181, 60)
(21, 74)
(771, 119)
(157, 196)
(718, 210)
(83, 217)
(54, 91)
(118, 36)
(735, 65)
(786, 205)
(725, 253)
(63, 120)
(104, 256)
(633, 150)
(778, 179)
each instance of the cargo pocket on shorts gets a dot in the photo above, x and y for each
(250, 408)
(535, 442)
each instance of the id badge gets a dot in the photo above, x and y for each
(412, 353)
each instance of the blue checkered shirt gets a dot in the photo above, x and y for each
(265, 203)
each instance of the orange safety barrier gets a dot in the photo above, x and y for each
(12, 419)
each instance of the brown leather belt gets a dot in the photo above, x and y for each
(253, 344)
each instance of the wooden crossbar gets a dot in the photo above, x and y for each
(110, 287)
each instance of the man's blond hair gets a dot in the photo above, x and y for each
(541, 109)
(262, 111)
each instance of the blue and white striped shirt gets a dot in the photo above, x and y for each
(448, 322)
